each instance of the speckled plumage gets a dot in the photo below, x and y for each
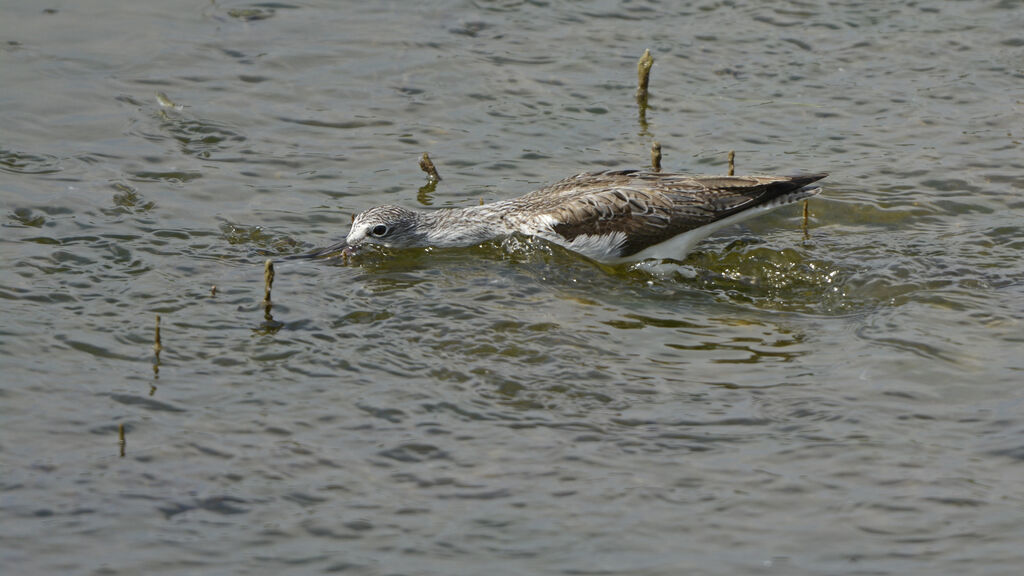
(608, 216)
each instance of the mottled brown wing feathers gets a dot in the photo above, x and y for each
(650, 208)
(637, 213)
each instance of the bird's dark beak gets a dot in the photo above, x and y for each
(341, 249)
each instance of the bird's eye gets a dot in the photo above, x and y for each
(379, 230)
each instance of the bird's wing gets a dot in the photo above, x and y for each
(633, 210)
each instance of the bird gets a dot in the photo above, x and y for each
(611, 216)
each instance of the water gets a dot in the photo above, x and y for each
(842, 402)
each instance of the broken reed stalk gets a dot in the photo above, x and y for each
(269, 325)
(732, 162)
(427, 166)
(656, 156)
(807, 215)
(268, 280)
(643, 74)
(157, 346)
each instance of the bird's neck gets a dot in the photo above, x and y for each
(463, 226)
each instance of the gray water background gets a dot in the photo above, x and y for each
(847, 401)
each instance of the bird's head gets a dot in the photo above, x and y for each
(391, 226)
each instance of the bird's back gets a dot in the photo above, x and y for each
(616, 214)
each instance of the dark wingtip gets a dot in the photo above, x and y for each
(793, 187)
(802, 180)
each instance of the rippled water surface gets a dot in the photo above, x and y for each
(845, 400)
